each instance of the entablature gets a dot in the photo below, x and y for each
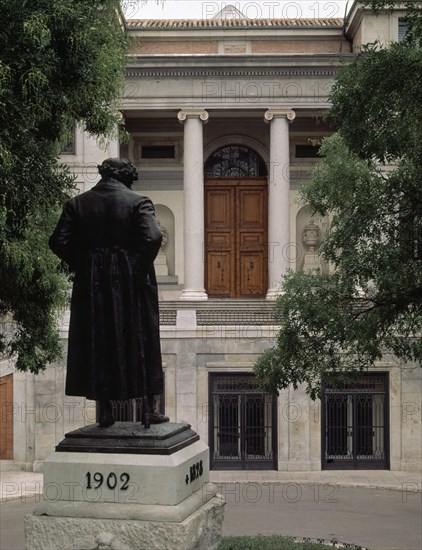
(236, 65)
(215, 82)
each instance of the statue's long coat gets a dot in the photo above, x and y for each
(109, 236)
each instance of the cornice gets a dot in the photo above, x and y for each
(238, 24)
(320, 65)
(139, 72)
(255, 59)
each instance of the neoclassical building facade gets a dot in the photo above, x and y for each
(224, 118)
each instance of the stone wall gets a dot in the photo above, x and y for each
(43, 414)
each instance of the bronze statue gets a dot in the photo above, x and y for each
(109, 237)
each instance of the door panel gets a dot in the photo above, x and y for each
(364, 429)
(228, 434)
(220, 242)
(251, 274)
(219, 272)
(252, 208)
(337, 426)
(254, 426)
(220, 209)
(236, 237)
(252, 264)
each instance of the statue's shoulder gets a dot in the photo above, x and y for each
(139, 197)
(79, 198)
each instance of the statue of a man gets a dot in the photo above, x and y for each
(109, 237)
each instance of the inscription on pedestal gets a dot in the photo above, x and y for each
(98, 498)
(195, 472)
(132, 478)
(111, 481)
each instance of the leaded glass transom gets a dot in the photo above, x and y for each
(235, 161)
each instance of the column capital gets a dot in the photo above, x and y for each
(195, 113)
(273, 113)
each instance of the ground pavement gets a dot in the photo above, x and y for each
(378, 509)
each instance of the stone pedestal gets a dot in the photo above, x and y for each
(311, 238)
(125, 487)
(311, 263)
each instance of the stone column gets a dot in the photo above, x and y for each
(193, 182)
(114, 148)
(114, 142)
(278, 198)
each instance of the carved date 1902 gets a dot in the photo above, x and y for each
(96, 480)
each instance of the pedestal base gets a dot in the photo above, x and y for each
(201, 530)
(129, 438)
(127, 488)
(272, 294)
(311, 263)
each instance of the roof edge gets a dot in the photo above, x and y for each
(195, 24)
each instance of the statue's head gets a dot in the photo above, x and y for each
(120, 169)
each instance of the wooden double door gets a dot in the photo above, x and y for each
(236, 242)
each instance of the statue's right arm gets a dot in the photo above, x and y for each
(61, 241)
(148, 234)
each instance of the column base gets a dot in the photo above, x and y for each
(193, 295)
(273, 293)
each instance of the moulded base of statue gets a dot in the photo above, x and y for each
(124, 488)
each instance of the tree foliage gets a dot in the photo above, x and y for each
(369, 183)
(61, 62)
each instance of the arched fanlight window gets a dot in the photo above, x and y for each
(235, 161)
